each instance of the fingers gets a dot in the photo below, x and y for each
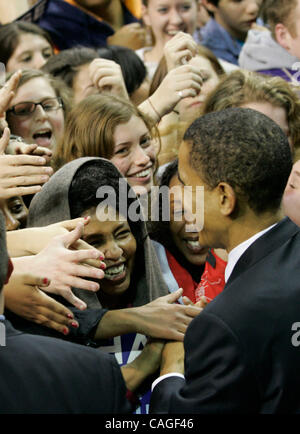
(102, 67)
(72, 224)
(179, 50)
(77, 282)
(19, 171)
(32, 280)
(26, 149)
(187, 301)
(173, 297)
(201, 303)
(4, 141)
(23, 160)
(51, 314)
(71, 237)
(107, 74)
(7, 91)
(72, 299)
(20, 181)
(7, 193)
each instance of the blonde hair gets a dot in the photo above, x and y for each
(280, 11)
(90, 127)
(242, 87)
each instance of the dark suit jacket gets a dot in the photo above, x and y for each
(46, 375)
(239, 352)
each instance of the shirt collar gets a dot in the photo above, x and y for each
(237, 252)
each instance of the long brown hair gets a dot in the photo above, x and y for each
(90, 127)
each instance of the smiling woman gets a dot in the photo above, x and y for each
(186, 263)
(165, 18)
(109, 127)
(24, 45)
(37, 111)
(132, 279)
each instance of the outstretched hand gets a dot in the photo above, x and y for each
(179, 50)
(181, 82)
(20, 174)
(106, 75)
(24, 298)
(164, 318)
(65, 267)
(17, 147)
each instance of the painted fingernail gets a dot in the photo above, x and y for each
(45, 281)
(102, 266)
(65, 331)
(69, 315)
(74, 324)
(86, 218)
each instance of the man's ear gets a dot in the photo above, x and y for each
(283, 36)
(209, 6)
(145, 15)
(227, 198)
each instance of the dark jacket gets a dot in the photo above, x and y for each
(47, 375)
(70, 26)
(241, 353)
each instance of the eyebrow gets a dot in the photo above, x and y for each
(122, 144)
(100, 237)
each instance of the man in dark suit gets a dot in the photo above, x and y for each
(242, 352)
(47, 375)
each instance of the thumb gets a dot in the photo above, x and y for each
(174, 296)
(32, 280)
(4, 141)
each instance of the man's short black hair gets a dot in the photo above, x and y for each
(247, 150)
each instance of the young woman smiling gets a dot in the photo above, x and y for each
(132, 302)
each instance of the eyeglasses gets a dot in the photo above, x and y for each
(27, 108)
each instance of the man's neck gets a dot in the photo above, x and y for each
(245, 228)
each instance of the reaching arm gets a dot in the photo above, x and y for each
(146, 364)
(161, 318)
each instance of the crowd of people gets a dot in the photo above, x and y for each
(150, 207)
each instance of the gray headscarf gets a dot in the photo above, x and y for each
(51, 205)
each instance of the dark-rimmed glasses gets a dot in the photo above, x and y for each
(27, 108)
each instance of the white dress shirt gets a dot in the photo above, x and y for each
(235, 254)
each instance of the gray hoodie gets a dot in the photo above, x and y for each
(261, 52)
(51, 205)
